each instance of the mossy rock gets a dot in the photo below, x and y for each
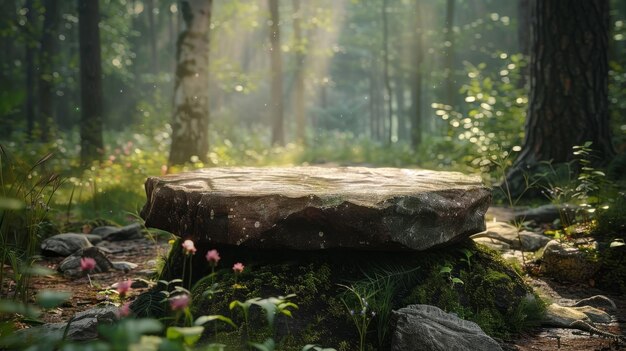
(476, 285)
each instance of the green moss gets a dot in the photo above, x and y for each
(491, 293)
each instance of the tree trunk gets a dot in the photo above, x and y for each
(90, 81)
(154, 58)
(416, 80)
(523, 36)
(386, 70)
(299, 109)
(276, 109)
(400, 108)
(29, 65)
(46, 57)
(190, 122)
(450, 90)
(298, 102)
(568, 83)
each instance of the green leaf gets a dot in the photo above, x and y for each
(217, 317)
(29, 311)
(189, 335)
(446, 269)
(7, 203)
(51, 298)
(457, 281)
(39, 271)
(617, 243)
(267, 345)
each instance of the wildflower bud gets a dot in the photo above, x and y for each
(87, 264)
(213, 257)
(238, 267)
(124, 287)
(179, 302)
(188, 247)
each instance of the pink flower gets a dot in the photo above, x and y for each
(124, 310)
(87, 264)
(123, 287)
(213, 257)
(238, 267)
(189, 247)
(179, 302)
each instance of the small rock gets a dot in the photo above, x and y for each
(111, 233)
(494, 244)
(561, 317)
(147, 272)
(64, 244)
(70, 266)
(124, 266)
(594, 314)
(567, 263)
(514, 256)
(83, 326)
(533, 241)
(599, 301)
(428, 328)
(504, 232)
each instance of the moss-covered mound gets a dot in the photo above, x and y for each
(470, 281)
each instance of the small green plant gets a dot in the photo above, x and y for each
(360, 313)
(447, 272)
(25, 196)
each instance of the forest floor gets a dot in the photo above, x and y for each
(146, 253)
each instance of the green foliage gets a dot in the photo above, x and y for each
(26, 192)
(491, 122)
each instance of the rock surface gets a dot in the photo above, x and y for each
(70, 266)
(561, 317)
(428, 328)
(507, 233)
(312, 208)
(64, 244)
(83, 326)
(598, 301)
(111, 233)
(564, 262)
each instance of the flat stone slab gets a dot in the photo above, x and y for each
(312, 208)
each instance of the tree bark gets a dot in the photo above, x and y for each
(568, 83)
(46, 57)
(386, 77)
(276, 72)
(29, 65)
(416, 80)
(298, 99)
(154, 58)
(450, 91)
(90, 81)
(190, 121)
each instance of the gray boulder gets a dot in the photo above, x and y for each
(111, 233)
(598, 301)
(313, 208)
(64, 244)
(83, 326)
(70, 266)
(428, 328)
(562, 317)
